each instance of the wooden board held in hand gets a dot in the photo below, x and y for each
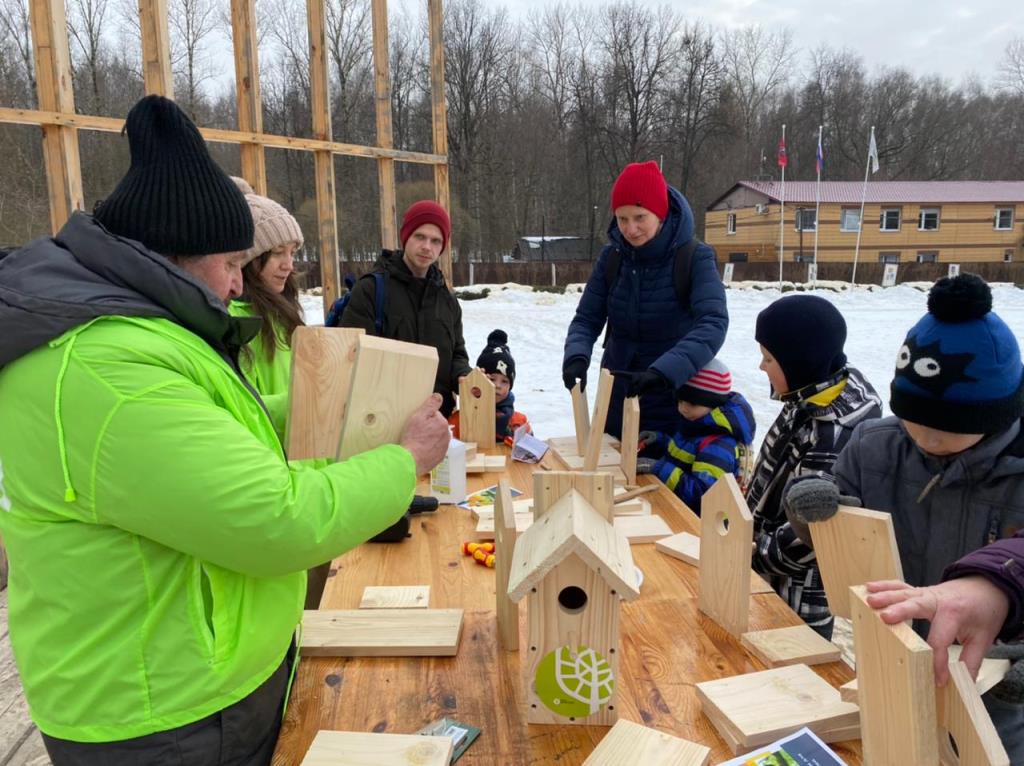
(390, 380)
(381, 632)
(628, 743)
(361, 748)
(790, 646)
(395, 597)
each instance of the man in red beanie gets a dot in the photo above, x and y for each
(415, 304)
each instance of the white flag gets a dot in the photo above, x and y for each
(873, 152)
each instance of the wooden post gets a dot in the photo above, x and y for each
(580, 414)
(55, 93)
(630, 437)
(439, 121)
(505, 543)
(156, 48)
(385, 138)
(320, 106)
(594, 438)
(247, 90)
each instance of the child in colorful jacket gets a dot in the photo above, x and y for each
(716, 421)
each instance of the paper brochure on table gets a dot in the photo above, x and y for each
(800, 749)
(527, 448)
(485, 496)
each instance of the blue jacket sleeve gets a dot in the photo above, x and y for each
(711, 320)
(591, 314)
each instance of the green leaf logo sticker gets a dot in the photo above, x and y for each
(574, 684)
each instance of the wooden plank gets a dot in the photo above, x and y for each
(896, 688)
(519, 505)
(797, 645)
(505, 534)
(247, 91)
(381, 632)
(761, 707)
(439, 119)
(962, 716)
(597, 423)
(481, 463)
(382, 92)
(642, 529)
(360, 748)
(395, 597)
(854, 547)
(629, 743)
(390, 380)
(321, 377)
(630, 436)
(581, 418)
(596, 487)
(156, 48)
(990, 673)
(635, 507)
(727, 533)
(848, 692)
(686, 547)
(54, 91)
(566, 445)
(486, 530)
(477, 409)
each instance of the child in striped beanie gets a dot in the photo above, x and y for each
(717, 422)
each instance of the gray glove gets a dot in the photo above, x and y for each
(645, 464)
(1011, 688)
(808, 499)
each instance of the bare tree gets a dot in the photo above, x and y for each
(351, 52)
(16, 29)
(86, 20)
(1011, 68)
(191, 22)
(695, 97)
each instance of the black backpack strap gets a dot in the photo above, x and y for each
(611, 269)
(681, 270)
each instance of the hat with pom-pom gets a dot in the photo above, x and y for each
(959, 369)
(496, 358)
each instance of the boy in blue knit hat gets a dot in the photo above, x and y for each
(949, 466)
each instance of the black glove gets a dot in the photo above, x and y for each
(808, 499)
(645, 439)
(645, 464)
(573, 370)
(640, 383)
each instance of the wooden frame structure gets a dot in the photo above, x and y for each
(60, 124)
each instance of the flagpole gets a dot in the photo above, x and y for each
(782, 214)
(819, 158)
(863, 198)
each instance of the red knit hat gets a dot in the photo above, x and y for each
(425, 211)
(641, 183)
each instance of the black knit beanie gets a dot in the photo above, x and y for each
(174, 198)
(806, 335)
(496, 358)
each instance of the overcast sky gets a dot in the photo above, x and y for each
(952, 38)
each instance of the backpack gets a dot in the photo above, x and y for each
(379, 295)
(744, 460)
(681, 277)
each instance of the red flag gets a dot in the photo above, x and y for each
(783, 159)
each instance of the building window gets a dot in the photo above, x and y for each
(737, 257)
(800, 257)
(888, 257)
(806, 220)
(1004, 218)
(850, 219)
(928, 256)
(890, 219)
(1008, 256)
(928, 219)
(730, 223)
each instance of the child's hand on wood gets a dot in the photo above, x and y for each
(645, 464)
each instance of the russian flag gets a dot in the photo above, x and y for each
(819, 160)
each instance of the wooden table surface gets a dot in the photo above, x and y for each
(668, 646)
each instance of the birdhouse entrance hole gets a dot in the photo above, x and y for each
(572, 599)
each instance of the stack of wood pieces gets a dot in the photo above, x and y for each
(754, 709)
(629, 743)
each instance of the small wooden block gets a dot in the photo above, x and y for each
(360, 748)
(321, 377)
(896, 688)
(686, 547)
(521, 505)
(566, 445)
(581, 418)
(395, 597)
(990, 673)
(470, 450)
(381, 632)
(630, 436)
(724, 567)
(390, 380)
(629, 743)
(635, 507)
(485, 526)
(854, 547)
(597, 423)
(962, 713)
(642, 529)
(596, 487)
(477, 409)
(604, 460)
(848, 692)
(761, 707)
(790, 646)
(482, 463)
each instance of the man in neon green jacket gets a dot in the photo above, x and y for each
(158, 538)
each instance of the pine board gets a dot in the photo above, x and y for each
(724, 567)
(686, 547)
(962, 713)
(476, 409)
(638, 506)
(581, 418)
(360, 748)
(799, 644)
(630, 436)
(598, 421)
(629, 743)
(481, 463)
(381, 632)
(395, 597)
(505, 534)
(642, 529)
(485, 526)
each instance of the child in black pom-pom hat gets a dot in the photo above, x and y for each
(949, 464)
(497, 363)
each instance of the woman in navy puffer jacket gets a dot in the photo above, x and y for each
(654, 343)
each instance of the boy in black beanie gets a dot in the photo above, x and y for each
(802, 338)
(497, 362)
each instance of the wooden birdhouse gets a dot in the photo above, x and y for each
(574, 569)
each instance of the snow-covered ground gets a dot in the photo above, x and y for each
(536, 323)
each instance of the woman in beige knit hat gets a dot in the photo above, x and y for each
(270, 291)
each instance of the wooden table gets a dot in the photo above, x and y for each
(668, 646)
